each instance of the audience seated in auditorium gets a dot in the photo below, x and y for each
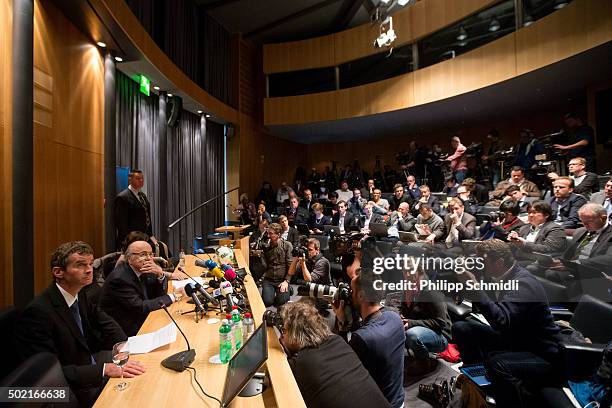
(61, 320)
(585, 183)
(325, 367)
(317, 220)
(370, 218)
(288, 233)
(412, 189)
(307, 200)
(478, 191)
(344, 193)
(591, 245)
(450, 187)
(565, 203)
(296, 214)
(430, 224)
(426, 198)
(380, 205)
(520, 348)
(262, 226)
(275, 261)
(604, 198)
(331, 205)
(541, 234)
(367, 192)
(469, 202)
(400, 220)
(500, 228)
(516, 194)
(267, 196)
(136, 287)
(356, 203)
(344, 218)
(517, 178)
(247, 210)
(427, 325)
(282, 196)
(379, 341)
(458, 224)
(398, 198)
(262, 214)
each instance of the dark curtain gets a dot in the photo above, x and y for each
(194, 41)
(195, 167)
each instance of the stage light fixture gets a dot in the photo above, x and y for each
(170, 95)
(386, 37)
(207, 115)
(200, 112)
(462, 34)
(156, 88)
(101, 44)
(494, 25)
(118, 59)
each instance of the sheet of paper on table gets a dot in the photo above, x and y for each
(150, 341)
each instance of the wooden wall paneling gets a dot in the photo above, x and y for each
(358, 42)
(6, 217)
(301, 109)
(68, 138)
(297, 55)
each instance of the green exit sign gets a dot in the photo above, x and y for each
(145, 85)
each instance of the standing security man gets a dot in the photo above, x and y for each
(132, 210)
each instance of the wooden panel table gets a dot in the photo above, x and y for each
(162, 387)
(235, 230)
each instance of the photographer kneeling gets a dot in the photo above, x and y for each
(313, 267)
(379, 342)
(326, 369)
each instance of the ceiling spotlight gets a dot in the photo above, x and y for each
(101, 44)
(170, 95)
(386, 37)
(199, 111)
(528, 20)
(559, 4)
(118, 59)
(462, 43)
(494, 25)
(156, 88)
(207, 115)
(462, 34)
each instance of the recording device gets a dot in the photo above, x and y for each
(179, 361)
(190, 290)
(329, 293)
(212, 266)
(474, 150)
(200, 289)
(262, 243)
(227, 290)
(497, 216)
(273, 319)
(340, 245)
(299, 251)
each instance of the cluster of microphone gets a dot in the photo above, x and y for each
(225, 275)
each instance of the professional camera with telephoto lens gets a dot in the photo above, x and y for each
(299, 251)
(273, 319)
(329, 293)
(496, 216)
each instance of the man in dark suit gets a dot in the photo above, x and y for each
(62, 321)
(344, 219)
(131, 209)
(288, 233)
(398, 198)
(590, 246)
(296, 214)
(458, 224)
(426, 198)
(135, 288)
(565, 203)
(370, 217)
(307, 201)
(604, 198)
(540, 234)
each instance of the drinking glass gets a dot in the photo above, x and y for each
(121, 355)
(178, 295)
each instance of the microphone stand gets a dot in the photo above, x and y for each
(200, 206)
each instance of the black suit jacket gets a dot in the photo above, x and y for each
(569, 210)
(432, 201)
(47, 325)
(601, 253)
(293, 236)
(589, 185)
(550, 240)
(350, 220)
(466, 229)
(130, 215)
(123, 297)
(300, 216)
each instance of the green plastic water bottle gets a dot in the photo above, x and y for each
(237, 328)
(225, 341)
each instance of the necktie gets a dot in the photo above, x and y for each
(583, 242)
(143, 200)
(74, 310)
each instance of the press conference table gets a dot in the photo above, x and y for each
(161, 387)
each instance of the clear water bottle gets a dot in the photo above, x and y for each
(225, 342)
(182, 258)
(248, 327)
(236, 328)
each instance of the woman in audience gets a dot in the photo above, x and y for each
(317, 220)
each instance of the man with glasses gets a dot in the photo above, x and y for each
(585, 183)
(127, 295)
(604, 198)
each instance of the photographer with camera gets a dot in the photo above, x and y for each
(380, 340)
(501, 223)
(326, 369)
(310, 263)
(276, 259)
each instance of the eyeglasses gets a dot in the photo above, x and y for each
(143, 255)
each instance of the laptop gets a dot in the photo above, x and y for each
(245, 363)
(477, 374)
(302, 229)
(327, 229)
(408, 236)
(378, 229)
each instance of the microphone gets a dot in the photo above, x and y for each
(181, 360)
(212, 267)
(200, 289)
(227, 290)
(190, 290)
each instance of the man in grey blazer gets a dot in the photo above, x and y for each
(458, 224)
(540, 234)
(604, 198)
